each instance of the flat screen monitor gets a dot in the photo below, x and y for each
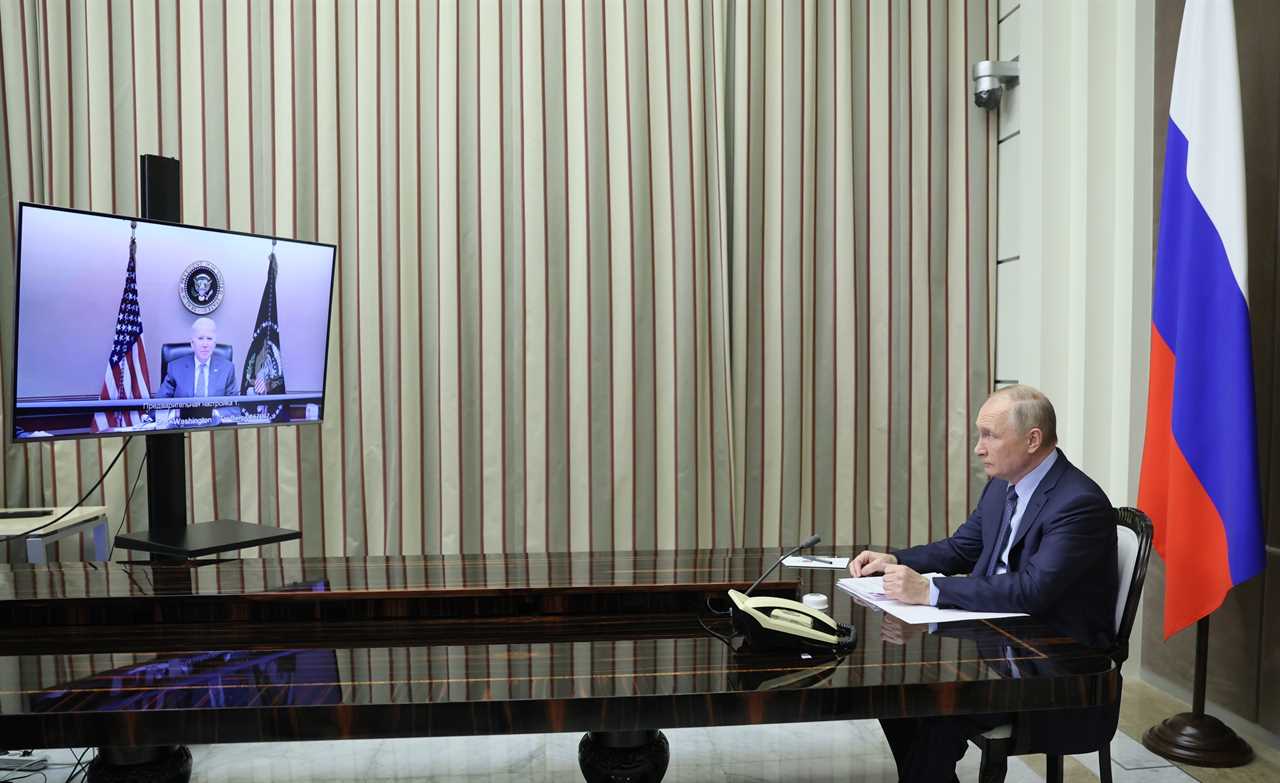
(131, 326)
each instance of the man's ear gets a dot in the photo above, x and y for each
(1035, 439)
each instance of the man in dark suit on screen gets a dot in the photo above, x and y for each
(202, 373)
(1042, 540)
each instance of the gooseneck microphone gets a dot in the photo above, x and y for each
(805, 544)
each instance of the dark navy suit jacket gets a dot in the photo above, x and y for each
(179, 381)
(180, 378)
(1062, 571)
(1062, 566)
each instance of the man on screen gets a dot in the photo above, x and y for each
(1041, 540)
(202, 373)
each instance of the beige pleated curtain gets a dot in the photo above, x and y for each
(612, 275)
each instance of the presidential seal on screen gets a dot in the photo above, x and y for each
(201, 287)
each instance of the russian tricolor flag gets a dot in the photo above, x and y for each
(1199, 480)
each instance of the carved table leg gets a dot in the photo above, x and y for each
(623, 756)
(164, 764)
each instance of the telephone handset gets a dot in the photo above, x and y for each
(770, 624)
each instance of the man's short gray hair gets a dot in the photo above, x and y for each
(1029, 408)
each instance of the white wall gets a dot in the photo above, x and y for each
(72, 275)
(1075, 238)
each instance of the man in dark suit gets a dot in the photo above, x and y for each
(202, 373)
(1041, 540)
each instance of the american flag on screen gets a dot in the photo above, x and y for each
(126, 377)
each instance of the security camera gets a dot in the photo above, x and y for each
(988, 99)
(990, 78)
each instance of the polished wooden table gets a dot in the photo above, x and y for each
(614, 645)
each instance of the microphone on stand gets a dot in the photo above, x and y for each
(805, 544)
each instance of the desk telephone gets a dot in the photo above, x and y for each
(769, 624)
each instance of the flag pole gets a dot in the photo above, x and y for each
(1193, 737)
(1202, 667)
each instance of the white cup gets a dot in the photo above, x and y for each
(815, 601)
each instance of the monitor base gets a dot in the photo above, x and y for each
(166, 764)
(205, 538)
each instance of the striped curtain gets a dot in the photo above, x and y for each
(863, 259)
(612, 275)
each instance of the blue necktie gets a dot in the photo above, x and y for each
(202, 381)
(1010, 505)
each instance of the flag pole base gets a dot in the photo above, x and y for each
(1199, 740)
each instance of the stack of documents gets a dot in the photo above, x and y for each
(870, 590)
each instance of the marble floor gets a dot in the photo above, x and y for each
(791, 753)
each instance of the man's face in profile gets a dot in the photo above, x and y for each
(204, 335)
(1005, 452)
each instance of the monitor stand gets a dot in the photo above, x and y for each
(168, 536)
(204, 538)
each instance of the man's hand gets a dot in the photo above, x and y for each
(905, 585)
(868, 563)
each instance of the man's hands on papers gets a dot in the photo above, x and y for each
(900, 582)
(868, 563)
(905, 585)
(870, 590)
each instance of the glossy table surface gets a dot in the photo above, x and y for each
(453, 574)
(627, 658)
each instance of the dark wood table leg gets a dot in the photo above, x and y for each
(162, 764)
(623, 756)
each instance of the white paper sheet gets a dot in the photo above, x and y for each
(816, 561)
(871, 590)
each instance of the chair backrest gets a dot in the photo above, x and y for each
(170, 352)
(1133, 550)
